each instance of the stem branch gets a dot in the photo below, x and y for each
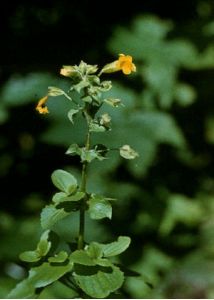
(80, 244)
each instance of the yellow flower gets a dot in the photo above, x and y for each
(125, 64)
(41, 108)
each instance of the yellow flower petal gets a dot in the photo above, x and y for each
(125, 64)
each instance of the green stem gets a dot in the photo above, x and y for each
(80, 244)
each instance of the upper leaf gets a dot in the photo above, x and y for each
(64, 181)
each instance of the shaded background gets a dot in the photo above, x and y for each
(167, 196)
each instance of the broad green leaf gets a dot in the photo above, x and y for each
(30, 256)
(99, 207)
(117, 247)
(51, 215)
(71, 114)
(64, 181)
(58, 258)
(39, 277)
(82, 257)
(64, 198)
(46, 274)
(100, 281)
(23, 290)
(59, 196)
(127, 152)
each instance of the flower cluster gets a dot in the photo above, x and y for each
(123, 63)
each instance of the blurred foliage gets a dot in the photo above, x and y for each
(166, 197)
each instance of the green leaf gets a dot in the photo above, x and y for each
(117, 247)
(99, 207)
(39, 277)
(71, 114)
(44, 245)
(30, 256)
(64, 181)
(61, 198)
(88, 155)
(74, 149)
(82, 257)
(58, 196)
(81, 85)
(58, 258)
(42, 249)
(51, 215)
(127, 152)
(23, 290)
(94, 250)
(94, 127)
(46, 274)
(99, 281)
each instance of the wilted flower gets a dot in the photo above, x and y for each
(41, 107)
(67, 71)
